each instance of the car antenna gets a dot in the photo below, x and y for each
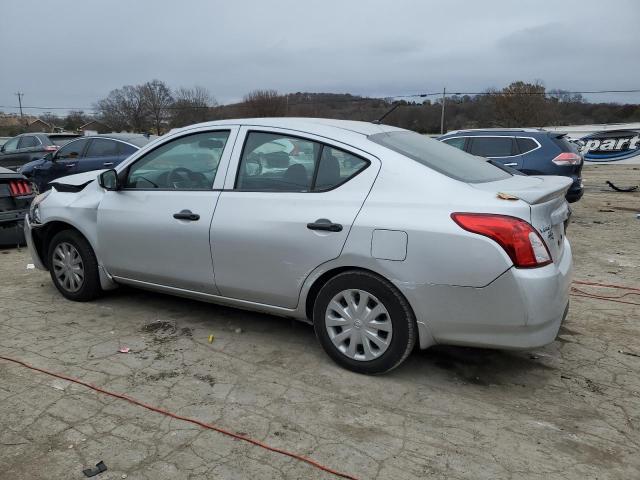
(377, 122)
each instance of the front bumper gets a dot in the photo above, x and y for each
(28, 235)
(521, 309)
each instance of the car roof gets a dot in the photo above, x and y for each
(304, 123)
(136, 139)
(496, 131)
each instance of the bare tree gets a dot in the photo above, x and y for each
(75, 119)
(157, 100)
(124, 109)
(265, 103)
(191, 105)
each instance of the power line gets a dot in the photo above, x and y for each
(356, 99)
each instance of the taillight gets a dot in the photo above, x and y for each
(518, 238)
(567, 158)
(19, 188)
(51, 148)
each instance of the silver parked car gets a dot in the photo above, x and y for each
(379, 236)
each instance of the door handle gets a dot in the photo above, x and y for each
(69, 165)
(107, 164)
(515, 164)
(324, 224)
(186, 215)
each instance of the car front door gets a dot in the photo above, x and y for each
(284, 211)
(62, 163)
(155, 229)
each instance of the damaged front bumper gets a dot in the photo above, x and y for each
(28, 235)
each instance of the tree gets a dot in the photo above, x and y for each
(124, 109)
(520, 105)
(191, 105)
(265, 103)
(74, 120)
(156, 101)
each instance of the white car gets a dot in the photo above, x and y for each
(380, 237)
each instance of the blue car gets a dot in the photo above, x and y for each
(82, 155)
(529, 150)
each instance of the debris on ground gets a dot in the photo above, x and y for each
(30, 266)
(211, 338)
(238, 330)
(124, 350)
(631, 354)
(93, 471)
(623, 189)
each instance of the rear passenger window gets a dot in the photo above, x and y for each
(457, 142)
(102, 147)
(29, 142)
(276, 163)
(492, 146)
(526, 144)
(126, 149)
(336, 167)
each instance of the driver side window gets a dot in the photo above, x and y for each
(186, 163)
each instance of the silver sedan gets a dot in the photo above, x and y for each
(380, 237)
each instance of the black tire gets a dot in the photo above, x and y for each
(404, 334)
(90, 286)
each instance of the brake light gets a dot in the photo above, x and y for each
(518, 238)
(567, 158)
(51, 148)
(19, 188)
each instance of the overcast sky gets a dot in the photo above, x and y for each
(67, 53)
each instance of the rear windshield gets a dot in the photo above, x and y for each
(62, 139)
(441, 157)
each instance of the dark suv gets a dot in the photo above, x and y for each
(82, 155)
(19, 150)
(531, 151)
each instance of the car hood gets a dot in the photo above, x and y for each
(78, 179)
(30, 165)
(531, 189)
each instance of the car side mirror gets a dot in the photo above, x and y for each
(109, 180)
(2, 148)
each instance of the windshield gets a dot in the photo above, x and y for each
(441, 157)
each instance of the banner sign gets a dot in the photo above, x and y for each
(611, 146)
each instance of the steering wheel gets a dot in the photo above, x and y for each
(182, 174)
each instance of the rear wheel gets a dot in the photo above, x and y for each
(73, 266)
(364, 323)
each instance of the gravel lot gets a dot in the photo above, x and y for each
(569, 410)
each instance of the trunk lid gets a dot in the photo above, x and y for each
(546, 198)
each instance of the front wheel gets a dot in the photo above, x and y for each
(364, 323)
(73, 266)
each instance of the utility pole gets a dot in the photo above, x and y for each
(444, 93)
(20, 95)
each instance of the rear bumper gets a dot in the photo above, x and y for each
(28, 235)
(576, 190)
(12, 217)
(521, 309)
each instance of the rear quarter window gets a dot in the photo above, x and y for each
(525, 145)
(452, 162)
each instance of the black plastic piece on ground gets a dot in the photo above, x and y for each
(623, 189)
(92, 472)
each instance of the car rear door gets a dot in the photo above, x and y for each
(501, 148)
(155, 230)
(101, 153)
(9, 156)
(277, 221)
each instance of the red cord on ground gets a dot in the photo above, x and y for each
(208, 426)
(576, 292)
